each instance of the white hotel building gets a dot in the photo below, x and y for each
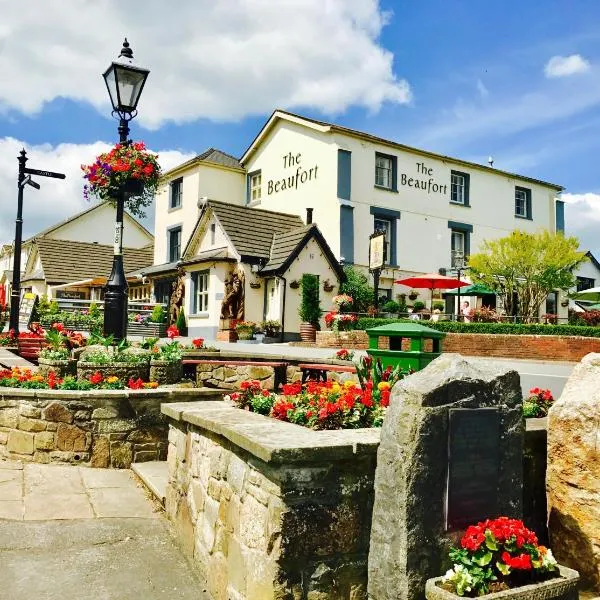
(435, 209)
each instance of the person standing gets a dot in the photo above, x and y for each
(466, 311)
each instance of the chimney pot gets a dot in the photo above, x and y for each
(309, 216)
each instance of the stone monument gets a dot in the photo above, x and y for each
(451, 454)
(573, 474)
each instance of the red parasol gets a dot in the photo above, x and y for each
(432, 281)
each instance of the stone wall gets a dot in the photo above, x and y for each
(537, 347)
(98, 428)
(272, 510)
(268, 509)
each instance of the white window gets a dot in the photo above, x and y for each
(386, 226)
(523, 202)
(200, 291)
(384, 168)
(457, 188)
(457, 247)
(255, 186)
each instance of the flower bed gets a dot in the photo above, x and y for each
(326, 405)
(538, 403)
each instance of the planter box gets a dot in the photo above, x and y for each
(559, 588)
(121, 370)
(29, 348)
(62, 368)
(165, 371)
(148, 330)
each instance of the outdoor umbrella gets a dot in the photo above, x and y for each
(474, 290)
(432, 281)
(591, 295)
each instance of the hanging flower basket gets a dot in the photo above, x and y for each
(127, 168)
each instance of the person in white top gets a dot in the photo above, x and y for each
(466, 311)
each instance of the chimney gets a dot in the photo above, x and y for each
(309, 212)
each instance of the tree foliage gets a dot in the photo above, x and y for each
(357, 285)
(310, 306)
(523, 268)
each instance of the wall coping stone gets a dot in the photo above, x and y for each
(44, 394)
(271, 440)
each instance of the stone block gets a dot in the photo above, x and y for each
(120, 455)
(57, 412)
(217, 577)
(218, 373)
(573, 473)
(70, 438)
(115, 425)
(207, 522)
(100, 453)
(144, 455)
(42, 458)
(44, 440)
(214, 488)
(9, 417)
(256, 372)
(20, 442)
(253, 516)
(236, 568)
(26, 410)
(27, 424)
(105, 412)
(82, 415)
(3, 437)
(229, 372)
(50, 426)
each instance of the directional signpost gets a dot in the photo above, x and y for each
(24, 179)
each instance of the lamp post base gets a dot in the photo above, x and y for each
(115, 312)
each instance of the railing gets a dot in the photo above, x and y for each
(427, 316)
(72, 305)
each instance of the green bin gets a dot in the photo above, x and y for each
(416, 358)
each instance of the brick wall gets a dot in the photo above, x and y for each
(537, 347)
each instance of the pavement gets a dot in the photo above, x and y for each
(72, 533)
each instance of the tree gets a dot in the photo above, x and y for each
(357, 285)
(310, 307)
(523, 268)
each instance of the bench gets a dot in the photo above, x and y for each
(318, 372)
(29, 348)
(279, 368)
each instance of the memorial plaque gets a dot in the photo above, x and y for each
(473, 466)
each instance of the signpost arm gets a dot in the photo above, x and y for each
(15, 293)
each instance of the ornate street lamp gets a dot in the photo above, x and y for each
(125, 82)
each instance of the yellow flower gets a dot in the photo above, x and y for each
(335, 388)
(112, 379)
(349, 383)
(383, 385)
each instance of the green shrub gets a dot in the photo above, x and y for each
(94, 311)
(390, 307)
(158, 314)
(490, 328)
(310, 307)
(181, 322)
(357, 285)
(418, 305)
(439, 306)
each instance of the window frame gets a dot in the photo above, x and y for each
(387, 237)
(176, 184)
(393, 172)
(170, 232)
(253, 188)
(463, 236)
(466, 229)
(466, 178)
(526, 202)
(200, 298)
(585, 281)
(393, 217)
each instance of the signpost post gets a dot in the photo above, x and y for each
(376, 259)
(23, 179)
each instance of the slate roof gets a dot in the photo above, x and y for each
(251, 230)
(212, 155)
(64, 261)
(284, 245)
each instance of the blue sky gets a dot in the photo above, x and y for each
(515, 80)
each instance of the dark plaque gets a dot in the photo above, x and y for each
(473, 466)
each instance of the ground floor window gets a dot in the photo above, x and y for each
(552, 303)
(163, 288)
(200, 291)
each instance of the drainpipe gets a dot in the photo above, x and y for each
(283, 308)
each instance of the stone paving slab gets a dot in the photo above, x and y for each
(100, 559)
(155, 476)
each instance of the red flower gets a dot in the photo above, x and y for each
(198, 343)
(385, 398)
(58, 327)
(96, 378)
(172, 332)
(291, 389)
(521, 561)
(135, 384)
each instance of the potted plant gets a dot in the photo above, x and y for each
(310, 308)
(501, 558)
(166, 366)
(56, 355)
(128, 168)
(413, 295)
(391, 308)
(271, 329)
(245, 331)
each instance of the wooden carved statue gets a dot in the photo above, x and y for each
(176, 301)
(232, 306)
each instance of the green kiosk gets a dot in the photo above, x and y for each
(413, 356)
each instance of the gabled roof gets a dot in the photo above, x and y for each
(593, 259)
(250, 230)
(287, 246)
(77, 216)
(64, 261)
(325, 127)
(211, 156)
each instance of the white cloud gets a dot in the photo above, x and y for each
(483, 91)
(582, 219)
(219, 60)
(57, 199)
(563, 66)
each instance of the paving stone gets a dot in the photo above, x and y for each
(42, 507)
(10, 465)
(52, 479)
(11, 485)
(121, 502)
(106, 478)
(11, 509)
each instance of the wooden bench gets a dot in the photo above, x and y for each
(318, 371)
(29, 348)
(279, 368)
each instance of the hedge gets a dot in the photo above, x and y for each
(489, 328)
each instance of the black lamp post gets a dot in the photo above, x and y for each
(125, 82)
